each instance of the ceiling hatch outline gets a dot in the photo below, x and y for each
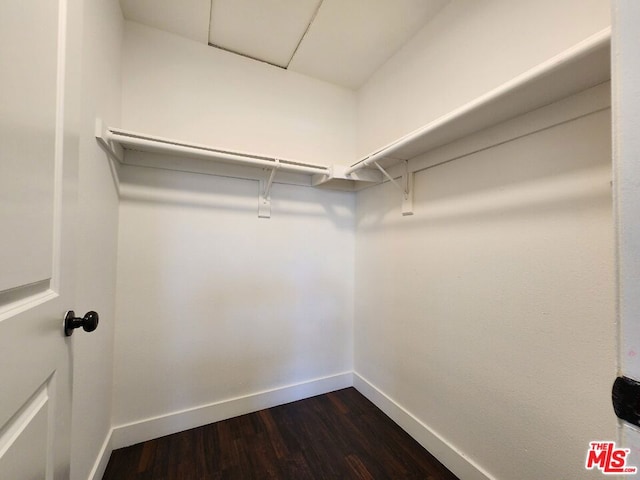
(283, 65)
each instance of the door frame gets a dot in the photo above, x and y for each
(625, 65)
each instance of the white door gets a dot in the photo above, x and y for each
(38, 172)
(626, 133)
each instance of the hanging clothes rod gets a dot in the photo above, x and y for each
(155, 144)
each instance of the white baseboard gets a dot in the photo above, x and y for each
(464, 468)
(150, 428)
(136, 432)
(97, 472)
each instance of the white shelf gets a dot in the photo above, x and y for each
(583, 66)
(117, 141)
(127, 140)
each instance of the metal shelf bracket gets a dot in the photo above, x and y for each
(264, 199)
(406, 187)
(407, 199)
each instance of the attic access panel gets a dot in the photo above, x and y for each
(270, 33)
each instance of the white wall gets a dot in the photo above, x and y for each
(215, 304)
(489, 315)
(510, 301)
(96, 234)
(469, 48)
(184, 90)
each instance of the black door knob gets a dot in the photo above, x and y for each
(88, 323)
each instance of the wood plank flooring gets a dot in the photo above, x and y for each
(333, 436)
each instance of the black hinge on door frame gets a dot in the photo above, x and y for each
(626, 399)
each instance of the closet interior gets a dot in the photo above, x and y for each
(436, 229)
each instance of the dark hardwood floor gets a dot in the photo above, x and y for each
(332, 436)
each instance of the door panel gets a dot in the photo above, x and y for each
(38, 175)
(28, 56)
(23, 441)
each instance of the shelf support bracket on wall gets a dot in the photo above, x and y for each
(264, 200)
(406, 187)
(103, 135)
(407, 199)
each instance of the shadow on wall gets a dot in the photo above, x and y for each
(512, 179)
(203, 191)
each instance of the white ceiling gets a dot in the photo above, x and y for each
(269, 31)
(188, 18)
(339, 41)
